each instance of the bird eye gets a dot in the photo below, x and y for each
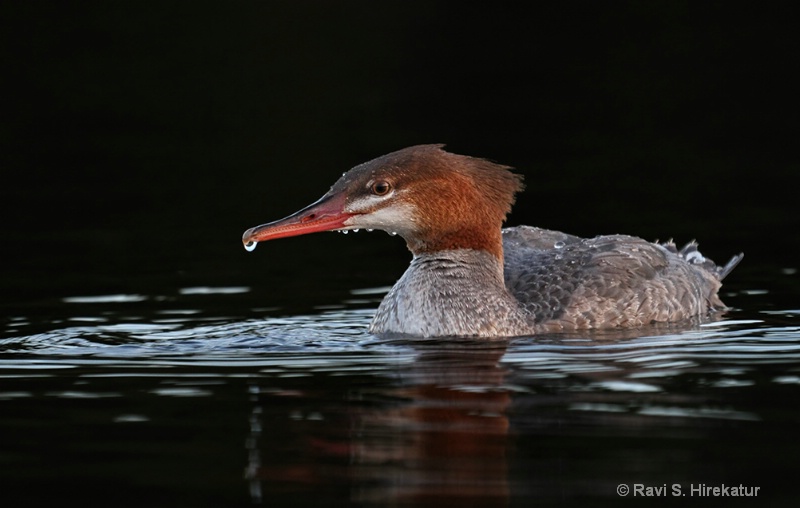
(381, 188)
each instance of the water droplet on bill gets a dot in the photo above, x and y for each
(250, 246)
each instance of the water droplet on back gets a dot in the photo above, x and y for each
(250, 246)
(559, 245)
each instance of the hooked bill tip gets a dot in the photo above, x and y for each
(247, 241)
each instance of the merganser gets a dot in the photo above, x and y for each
(470, 277)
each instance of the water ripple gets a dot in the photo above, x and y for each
(322, 341)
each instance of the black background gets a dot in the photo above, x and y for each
(138, 140)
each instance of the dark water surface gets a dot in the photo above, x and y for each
(166, 404)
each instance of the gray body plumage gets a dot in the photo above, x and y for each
(551, 281)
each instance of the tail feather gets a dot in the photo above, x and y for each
(723, 271)
(690, 253)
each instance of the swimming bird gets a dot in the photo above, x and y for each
(470, 277)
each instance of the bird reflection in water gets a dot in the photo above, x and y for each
(436, 432)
